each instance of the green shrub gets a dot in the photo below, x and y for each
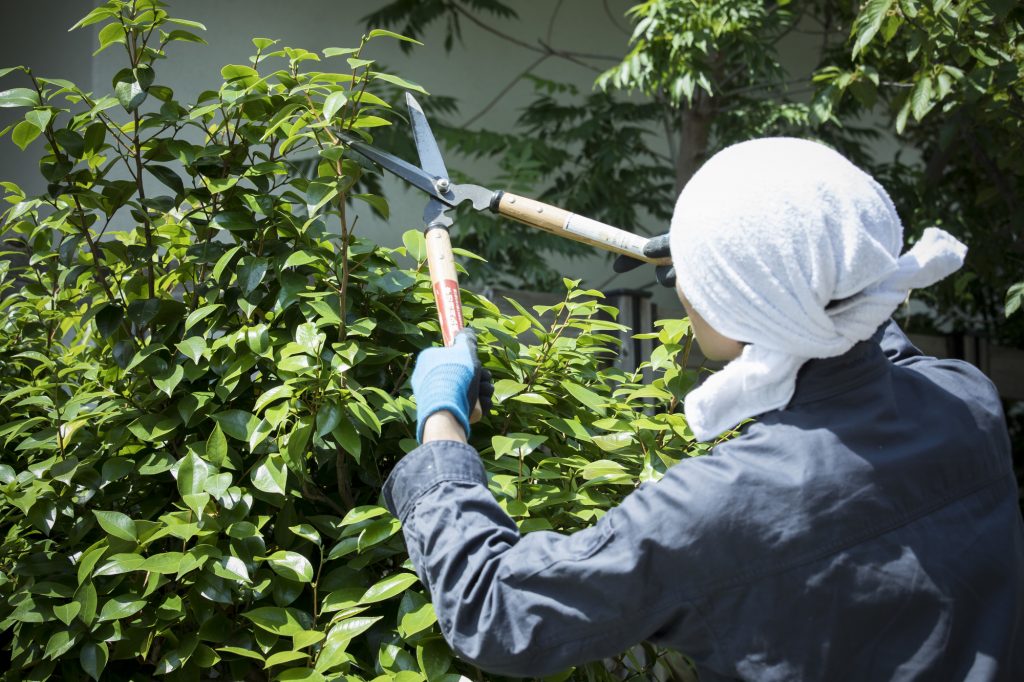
(203, 383)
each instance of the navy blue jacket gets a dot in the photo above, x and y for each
(868, 531)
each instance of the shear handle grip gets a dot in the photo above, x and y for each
(445, 281)
(563, 223)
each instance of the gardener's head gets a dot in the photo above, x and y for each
(787, 248)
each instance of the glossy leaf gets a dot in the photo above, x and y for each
(116, 524)
(291, 565)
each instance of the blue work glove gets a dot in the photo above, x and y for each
(451, 379)
(657, 247)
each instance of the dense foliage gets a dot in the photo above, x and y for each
(203, 382)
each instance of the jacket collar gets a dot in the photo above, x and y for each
(825, 377)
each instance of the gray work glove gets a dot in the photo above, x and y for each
(656, 247)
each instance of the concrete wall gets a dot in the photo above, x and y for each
(36, 35)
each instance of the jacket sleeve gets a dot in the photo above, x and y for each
(534, 604)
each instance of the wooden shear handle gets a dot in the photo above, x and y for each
(445, 281)
(566, 224)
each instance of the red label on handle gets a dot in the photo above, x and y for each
(449, 308)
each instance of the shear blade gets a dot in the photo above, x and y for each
(430, 155)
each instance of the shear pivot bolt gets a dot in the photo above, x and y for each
(442, 185)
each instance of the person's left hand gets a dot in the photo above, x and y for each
(451, 379)
(656, 247)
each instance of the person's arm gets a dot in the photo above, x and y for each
(537, 603)
(534, 604)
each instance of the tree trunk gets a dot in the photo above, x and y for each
(694, 132)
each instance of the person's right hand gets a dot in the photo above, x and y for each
(451, 379)
(656, 247)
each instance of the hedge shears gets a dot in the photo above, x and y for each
(431, 176)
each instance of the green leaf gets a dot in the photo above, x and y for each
(506, 388)
(319, 193)
(239, 651)
(377, 532)
(311, 340)
(360, 514)
(218, 185)
(291, 565)
(93, 658)
(400, 82)
(237, 424)
(592, 400)
(415, 614)
(168, 382)
(613, 442)
(274, 394)
(868, 22)
(1014, 298)
(334, 102)
(367, 121)
(232, 568)
(331, 654)
(270, 476)
(300, 675)
(111, 34)
(306, 532)
(187, 22)
(19, 97)
(300, 258)
(415, 244)
(233, 221)
(388, 587)
(197, 315)
(24, 133)
(245, 76)
(280, 620)
(921, 101)
(603, 468)
(120, 607)
(250, 273)
(117, 524)
(163, 563)
(516, 444)
(285, 657)
(192, 348)
(131, 86)
(67, 612)
(60, 642)
(298, 439)
(379, 32)
(118, 564)
(531, 398)
(168, 177)
(377, 203)
(192, 474)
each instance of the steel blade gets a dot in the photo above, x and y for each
(430, 156)
(403, 169)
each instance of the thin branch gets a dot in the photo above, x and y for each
(544, 48)
(554, 15)
(505, 90)
(611, 18)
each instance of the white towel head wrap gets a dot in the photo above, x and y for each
(765, 236)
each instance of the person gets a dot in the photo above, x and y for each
(862, 525)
